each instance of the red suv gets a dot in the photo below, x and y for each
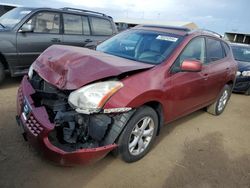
(77, 104)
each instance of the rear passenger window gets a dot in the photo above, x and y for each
(214, 50)
(72, 24)
(100, 26)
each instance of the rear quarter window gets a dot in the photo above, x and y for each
(101, 26)
(214, 50)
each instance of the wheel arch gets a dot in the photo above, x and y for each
(3, 61)
(157, 106)
(230, 83)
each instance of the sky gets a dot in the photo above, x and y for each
(217, 15)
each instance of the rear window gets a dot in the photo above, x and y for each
(100, 26)
(214, 50)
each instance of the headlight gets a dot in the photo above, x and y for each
(245, 73)
(91, 98)
(30, 73)
(238, 73)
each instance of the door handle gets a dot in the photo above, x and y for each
(88, 40)
(205, 76)
(55, 40)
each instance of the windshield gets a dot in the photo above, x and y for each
(11, 18)
(143, 46)
(241, 53)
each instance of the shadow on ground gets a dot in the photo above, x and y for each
(206, 164)
(168, 128)
(10, 82)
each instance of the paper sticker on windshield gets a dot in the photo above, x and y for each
(247, 52)
(167, 38)
(25, 12)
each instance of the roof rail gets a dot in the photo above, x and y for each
(82, 10)
(209, 31)
(166, 27)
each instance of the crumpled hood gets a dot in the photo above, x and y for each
(70, 68)
(243, 66)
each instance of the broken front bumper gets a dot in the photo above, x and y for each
(36, 125)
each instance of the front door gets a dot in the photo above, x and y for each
(46, 32)
(188, 90)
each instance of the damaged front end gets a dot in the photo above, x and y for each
(73, 136)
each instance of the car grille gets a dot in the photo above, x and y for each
(33, 125)
(241, 84)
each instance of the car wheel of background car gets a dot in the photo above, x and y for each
(138, 135)
(219, 105)
(248, 91)
(2, 72)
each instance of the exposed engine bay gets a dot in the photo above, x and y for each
(75, 130)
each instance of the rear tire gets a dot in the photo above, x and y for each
(2, 72)
(139, 134)
(219, 105)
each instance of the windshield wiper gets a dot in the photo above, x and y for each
(2, 25)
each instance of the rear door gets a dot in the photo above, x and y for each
(46, 32)
(76, 30)
(189, 90)
(218, 66)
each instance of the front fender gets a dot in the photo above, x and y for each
(7, 47)
(141, 88)
(8, 51)
(130, 97)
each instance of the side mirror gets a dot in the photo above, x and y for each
(26, 28)
(191, 66)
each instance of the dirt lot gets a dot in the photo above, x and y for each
(199, 150)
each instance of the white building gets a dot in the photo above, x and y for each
(126, 23)
(238, 37)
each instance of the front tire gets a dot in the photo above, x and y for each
(2, 72)
(138, 135)
(219, 105)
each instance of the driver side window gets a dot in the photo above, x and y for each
(195, 50)
(45, 22)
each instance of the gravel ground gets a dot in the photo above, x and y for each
(199, 150)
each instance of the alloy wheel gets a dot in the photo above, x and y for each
(223, 100)
(141, 135)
